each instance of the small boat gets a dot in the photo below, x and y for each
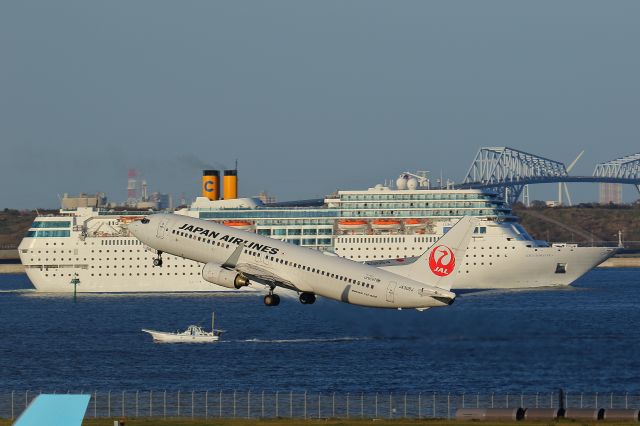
(386, 224)
(238, 224)
(193, 334)
(352, 224)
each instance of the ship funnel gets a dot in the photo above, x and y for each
(230, 186)
(211, 184)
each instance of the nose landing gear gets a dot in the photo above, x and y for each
(157, 261)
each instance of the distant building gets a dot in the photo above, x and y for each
(83, 200)
(610, 193)
(163, 201)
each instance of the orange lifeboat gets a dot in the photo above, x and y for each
(414, 223)
(349, 225)
(238, 224)
(385, 224)
(129, 219)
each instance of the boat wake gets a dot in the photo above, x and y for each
(319, 340)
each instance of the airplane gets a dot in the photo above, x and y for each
(234, 259)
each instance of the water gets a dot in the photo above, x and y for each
(582, 338)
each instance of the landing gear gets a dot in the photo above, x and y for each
(307, 298)
(157, 261)
(272, 299)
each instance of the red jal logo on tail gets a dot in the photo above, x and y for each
(442, 261)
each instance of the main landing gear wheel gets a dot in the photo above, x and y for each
(272, 300)
(157, 261)
(307, 298)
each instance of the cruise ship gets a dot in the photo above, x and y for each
(93, 247)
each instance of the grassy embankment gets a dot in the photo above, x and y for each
(584, 224)
(13, 226)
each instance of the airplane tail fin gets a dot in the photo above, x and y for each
(439, 265)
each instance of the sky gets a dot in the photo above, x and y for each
(308, 96)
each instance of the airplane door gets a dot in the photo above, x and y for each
(161, 228)
(391, 288)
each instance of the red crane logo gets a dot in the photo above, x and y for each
(442, 261)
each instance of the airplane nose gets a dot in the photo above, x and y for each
(136, 227)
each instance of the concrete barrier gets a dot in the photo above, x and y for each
(584, 413)
(489, 414)
(621, 414)
(541, 413)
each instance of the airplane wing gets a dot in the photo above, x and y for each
(262, 275)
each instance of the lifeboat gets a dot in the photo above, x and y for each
(413, 223)
(129, 219)
(386, 224)
(351, 225)
(238, 224)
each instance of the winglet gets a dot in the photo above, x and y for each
(232, 261)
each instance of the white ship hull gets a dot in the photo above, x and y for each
(96, 246)
(164, 337)
(115, 271)
(506, 266)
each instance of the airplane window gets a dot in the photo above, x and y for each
(322, 272)
(313, 270)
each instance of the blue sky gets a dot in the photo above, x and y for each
(309, 96)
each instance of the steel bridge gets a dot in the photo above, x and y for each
(507, 171)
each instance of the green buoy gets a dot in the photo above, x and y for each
(75, 281)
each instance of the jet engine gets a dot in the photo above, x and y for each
(216, 274)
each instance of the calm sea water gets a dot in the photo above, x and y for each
(582, 338)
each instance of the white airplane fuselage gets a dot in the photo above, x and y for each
(297, 268)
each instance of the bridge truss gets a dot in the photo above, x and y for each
(627, 167)
(507, 171)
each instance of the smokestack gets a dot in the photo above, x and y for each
(211, 184)
(230, 184)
